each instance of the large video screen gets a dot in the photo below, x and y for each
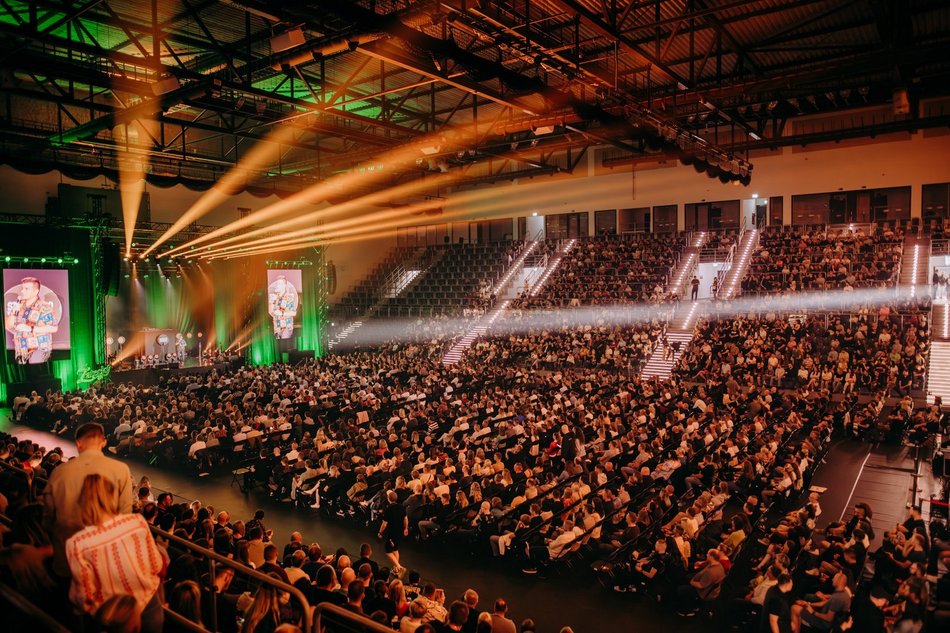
(283, 300)
(36, 313)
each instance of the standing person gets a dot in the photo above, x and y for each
(114, 554)
(776, 611)
(62, 513)
(715, 288)
(694, 293)
(394, 527)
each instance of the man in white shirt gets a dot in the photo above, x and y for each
(198, 445)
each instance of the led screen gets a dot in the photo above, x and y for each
(283, 300)
(36, 313)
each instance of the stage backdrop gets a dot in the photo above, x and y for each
(75, 250)
(242, 320)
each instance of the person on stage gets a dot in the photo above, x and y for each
(282, 306)
(181, 346)
(31, 320)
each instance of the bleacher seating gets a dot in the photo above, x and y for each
(793, 259)
(461, 277)
(611, 270)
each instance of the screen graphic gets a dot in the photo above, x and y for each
(283, 300)
(36, 313)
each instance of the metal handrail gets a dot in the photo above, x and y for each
(215, 558)
(335, 612)
(212, 556)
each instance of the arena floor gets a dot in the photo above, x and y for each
(552, 602)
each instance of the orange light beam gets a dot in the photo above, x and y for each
(131, 184)
(316, 242)
(369, 199)
(337, 184)
(390, 217)
(260, 154)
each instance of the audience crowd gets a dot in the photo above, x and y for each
(611, 270)
(793, 259)
(883, 349)
(542, 449)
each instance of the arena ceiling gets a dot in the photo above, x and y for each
(500, 90)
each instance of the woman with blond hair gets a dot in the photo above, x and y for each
(114, 554)
(397, 593)
(263, 616)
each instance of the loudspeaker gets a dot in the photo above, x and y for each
(110, 267)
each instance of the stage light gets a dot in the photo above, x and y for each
(7, 258)
(42, 260)
(75, 260)
(59, 261)
(110, 341)
(125, 258)
(127, 275)
(121, 340)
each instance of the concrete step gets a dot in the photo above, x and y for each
(346, 332)
(938, 371)
(659, 365)
(732, 283)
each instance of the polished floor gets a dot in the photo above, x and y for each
(551, 602)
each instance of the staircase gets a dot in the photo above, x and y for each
(687, 265)
(505, 291)
(731, 284)
(552, 266)
(455, 353)
(659, 366)
(938, 370)
(345, 332)
(661, 362)
(915, 263)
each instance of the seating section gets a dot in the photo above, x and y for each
(792, 259)
(611, 270)
(462, 277)
(542, 449)
(371, 289)
(549, 340)
(883, 350)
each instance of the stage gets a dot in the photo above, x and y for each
(152, 376)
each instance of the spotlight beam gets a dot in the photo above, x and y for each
(332, 186)
(369, 199)
(388, 219)
(375, 332)
(257, 157)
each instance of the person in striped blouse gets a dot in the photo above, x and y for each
(114, 554)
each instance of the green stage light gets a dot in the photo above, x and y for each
(7, 258)
(59, 261)
(26, 259)
(42, 260)
(127, 275)
(75, 260)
